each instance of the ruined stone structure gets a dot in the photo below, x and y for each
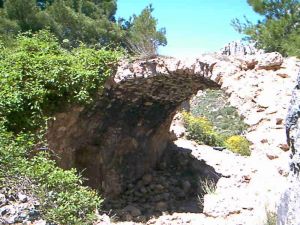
(124, 134)
(127, 130)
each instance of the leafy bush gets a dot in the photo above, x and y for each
(214, 122)
(63, 199)
(38, 77)
(238, 144)
(201, 130)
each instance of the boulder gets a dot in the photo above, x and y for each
(269, 61)
(134, 211)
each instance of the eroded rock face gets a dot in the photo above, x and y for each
(289, 208)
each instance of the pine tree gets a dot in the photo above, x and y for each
(24, 12)
(280, 28)
(89, 21)
(143, 36)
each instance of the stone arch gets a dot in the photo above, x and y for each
(125, 133)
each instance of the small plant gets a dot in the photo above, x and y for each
(238, 144)
(271, 218)
(208, 186)
(201, 130)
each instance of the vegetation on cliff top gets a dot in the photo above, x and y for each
(279, 30)
(39, 77)
(91, 22)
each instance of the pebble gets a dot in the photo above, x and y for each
(186, 185)
(134, 211)
(22, 198)
(18, 208)
(161, 206)
(147, 179)
(159, 188)
(3, 200)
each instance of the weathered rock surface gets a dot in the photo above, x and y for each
(237, 48)
(289, 208)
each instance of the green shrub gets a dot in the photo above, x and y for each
(238, 144)
(38, 77)
(63, 199)
(215, 107)
(201, 130)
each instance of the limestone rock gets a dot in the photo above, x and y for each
(270, 61)
(237, 48)
(147, 179)
(177, 126)
(161, 206)
(289, 208)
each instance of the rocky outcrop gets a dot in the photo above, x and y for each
(289, 208)
(125, 133)
(238, 48)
